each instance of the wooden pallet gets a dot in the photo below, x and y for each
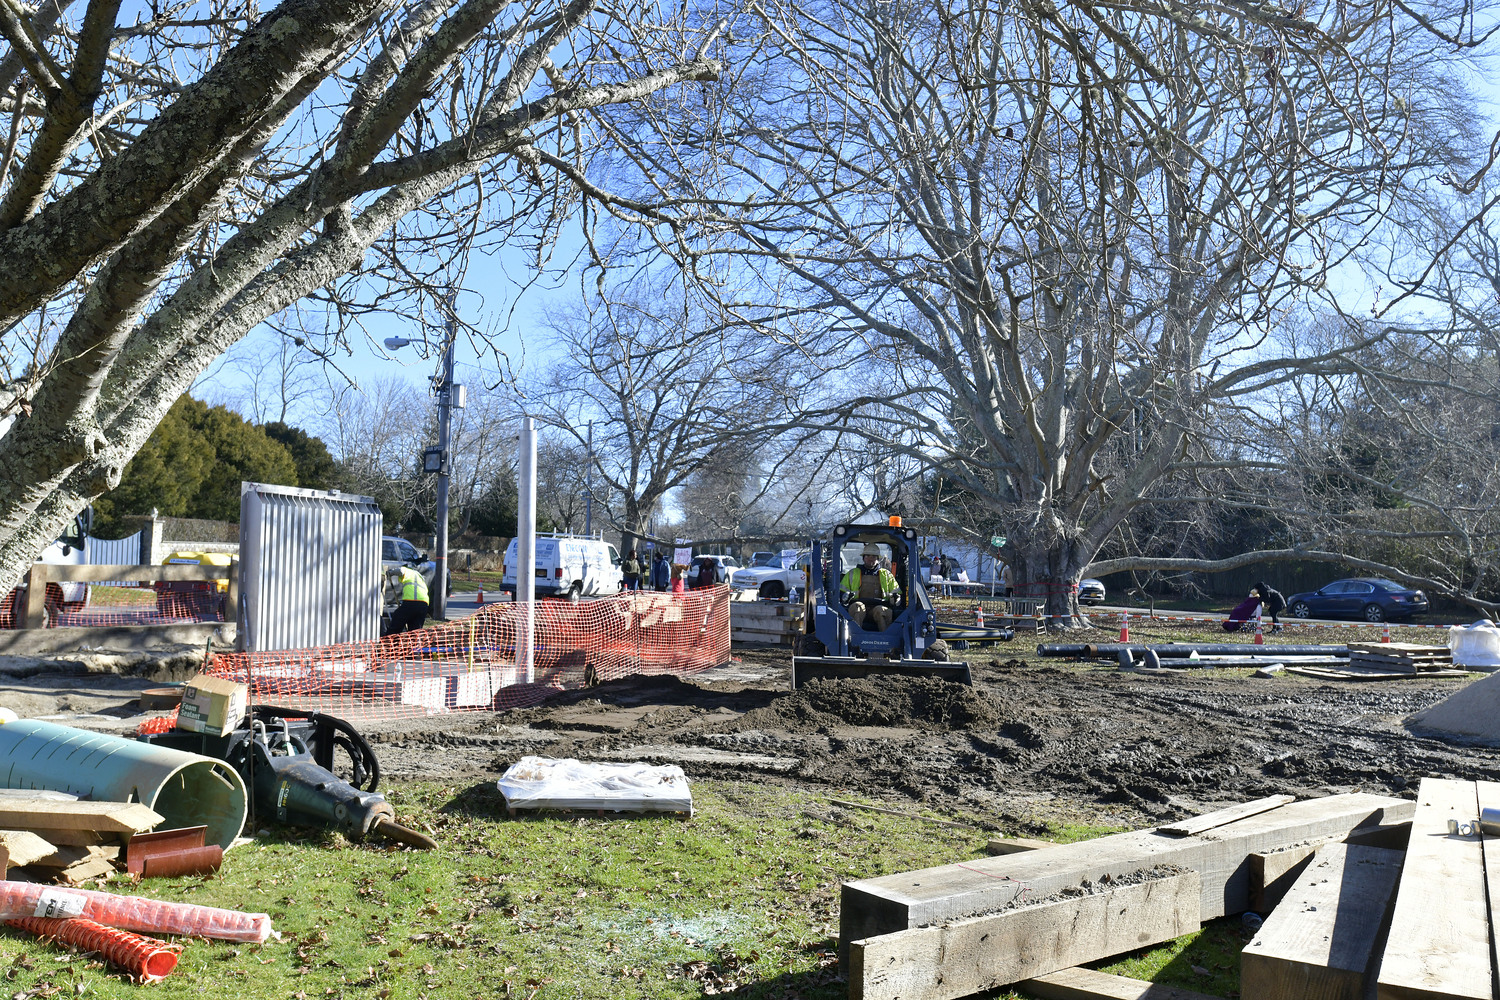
(1400, 656)
(774, 623)
(1353, 673)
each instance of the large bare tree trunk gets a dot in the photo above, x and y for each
(227, 193)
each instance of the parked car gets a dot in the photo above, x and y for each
(775, 580)
(728, 566)
(761, 559)
(1370, 598)
(1090, 591)
(397, 552)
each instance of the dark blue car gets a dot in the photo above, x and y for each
(1369, 598)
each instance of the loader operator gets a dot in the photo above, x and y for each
(412, 611)
(873, 591)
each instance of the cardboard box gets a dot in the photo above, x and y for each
(212, 705)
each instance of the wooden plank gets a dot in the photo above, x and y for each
(1320, 943)
(1488, 795)
(23, 846)
(1222, 817)
(1273, 873)
(1091, 984)
(881, 905)
(75, 838)
(1015, 845)
(177, 572)
(981, 953)
(65, 856)
(109, 817)
(36, 597)
(85, 870)
(1439, 943)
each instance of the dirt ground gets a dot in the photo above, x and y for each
(1032, 741)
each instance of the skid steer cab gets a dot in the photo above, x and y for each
(867, 611)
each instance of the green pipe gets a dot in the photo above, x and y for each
(187, 789)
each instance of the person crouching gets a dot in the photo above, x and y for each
(412, 612)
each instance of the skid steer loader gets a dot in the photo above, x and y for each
(834, 644)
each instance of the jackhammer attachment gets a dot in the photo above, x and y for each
(287, 758)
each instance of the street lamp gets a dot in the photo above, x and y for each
(437, 460)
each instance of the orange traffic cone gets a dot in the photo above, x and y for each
(480, 599)
(1125, 627)
(979, 616)
(1385, 633)
(1260, 636)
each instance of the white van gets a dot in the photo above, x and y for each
(571, 566)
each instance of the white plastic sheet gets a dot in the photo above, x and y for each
(1475, 646)
(550, 783)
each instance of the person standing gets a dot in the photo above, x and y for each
(1005, 580)
(412, 612)
(1273, 603)
(661, 571)
(947, 576)
(630, 569)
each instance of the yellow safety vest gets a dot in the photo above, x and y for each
(413, 585)
(886, 577)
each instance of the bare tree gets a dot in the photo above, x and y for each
(1069, 229)
(169, 183)
(671, 392)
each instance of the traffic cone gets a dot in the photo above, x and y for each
(979, 616)
(1385, 633)
(1260, 636)
(1125, 627)
(480, 599)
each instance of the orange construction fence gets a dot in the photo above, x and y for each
(471, 663)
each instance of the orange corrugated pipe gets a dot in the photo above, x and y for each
(146, 959)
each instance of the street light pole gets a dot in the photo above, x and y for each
(437, 460)
(588, 487)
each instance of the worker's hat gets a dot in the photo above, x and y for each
(870, 549)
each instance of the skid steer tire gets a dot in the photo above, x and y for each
(937, 651)
(808, 645)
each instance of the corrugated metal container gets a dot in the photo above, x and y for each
(309, 567)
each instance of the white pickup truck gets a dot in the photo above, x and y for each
(774, 581)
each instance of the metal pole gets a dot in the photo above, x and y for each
(445, 419)
(526, 550)
(588, 487)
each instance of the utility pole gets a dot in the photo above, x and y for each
(437, 460)
(445, 471)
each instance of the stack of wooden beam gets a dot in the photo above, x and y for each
(1337, 934)
(1403, 657)
(1030, 917)
(46, 839)
(769, 622)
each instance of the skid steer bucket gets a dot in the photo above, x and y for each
(805, 668)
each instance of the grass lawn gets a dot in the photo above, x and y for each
(743, 896)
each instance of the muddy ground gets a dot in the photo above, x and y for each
(1033, 741)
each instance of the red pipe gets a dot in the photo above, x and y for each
(146, 959)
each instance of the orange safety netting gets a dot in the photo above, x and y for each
(170, 604)
(471, 663)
